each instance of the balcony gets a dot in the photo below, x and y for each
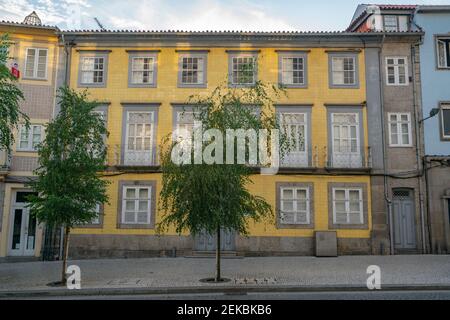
(316, 158)
(348, 158)
(124, 156)
(297, 160)
(5, 162)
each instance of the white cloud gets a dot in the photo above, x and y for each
(148, 14)
(51, 12)
(195, 15)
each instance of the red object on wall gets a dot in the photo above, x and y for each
(15, 72)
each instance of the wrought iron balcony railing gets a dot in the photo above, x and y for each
(314, 158)
(301, 159)
(348, 157)
(127, 155)
(5, 161)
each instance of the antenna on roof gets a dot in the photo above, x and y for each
(99, 24)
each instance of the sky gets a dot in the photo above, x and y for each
(193, 15)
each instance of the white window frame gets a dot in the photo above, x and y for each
(136, 204)
(188, 127)
(283, 71)
(96, 220)
(399, 133)
(82, 71)
(347, 205)
(294, 152)
(146, 160)
(255, 69)
(295, 210)
(151, 70)
(444, 106)
(346, 158)
(201, 67)
(354, 71)
(29, 141)
(396, 66)
(446, 65)
(36, 63)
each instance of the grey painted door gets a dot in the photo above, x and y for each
(404, 220)
(208, 242)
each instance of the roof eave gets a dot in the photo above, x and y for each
(24, 25)
(433, 9)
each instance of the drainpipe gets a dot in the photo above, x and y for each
(67, 61)
(418, 150)
(383, 141)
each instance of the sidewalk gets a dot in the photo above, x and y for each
(181, 275)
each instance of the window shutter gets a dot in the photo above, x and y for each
(29, 66)
(42, 64)
(442, 59)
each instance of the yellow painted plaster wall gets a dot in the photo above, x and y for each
(317, 93)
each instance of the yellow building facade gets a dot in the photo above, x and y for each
(142, 79)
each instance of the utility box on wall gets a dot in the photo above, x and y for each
(326, 243)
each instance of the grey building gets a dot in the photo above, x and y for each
(394, 105)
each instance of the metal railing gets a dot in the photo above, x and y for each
(5, 161)
(314, 157)
(306, 159)
(122, 155)
(348, 158)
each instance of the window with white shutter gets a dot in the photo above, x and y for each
(30, 137)
(192, 71)
(443, 52)
(136, 204)
(294, 205)
(143, 70)
(139, 138)
(347, 206)
(93, 70)
(295, 127)
(36, 63)
(345, 134)
(292, 68)
(400, 129)
(242, 69)
(397, 71)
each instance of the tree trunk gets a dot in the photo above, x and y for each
(65, 255)
(218, 256)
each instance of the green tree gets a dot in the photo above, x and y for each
(69, 184)
(213, 197)
(10, 97)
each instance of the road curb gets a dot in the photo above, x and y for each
(210, 289)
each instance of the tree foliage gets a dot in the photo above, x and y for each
(197, 197)
(71, 157)
(10, 97)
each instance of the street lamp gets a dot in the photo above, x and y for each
(433, 112)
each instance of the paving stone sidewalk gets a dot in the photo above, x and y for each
(422, 270)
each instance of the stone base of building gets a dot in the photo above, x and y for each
(143, 246)
(438, 186)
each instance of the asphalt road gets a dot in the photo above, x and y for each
(335, 295)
